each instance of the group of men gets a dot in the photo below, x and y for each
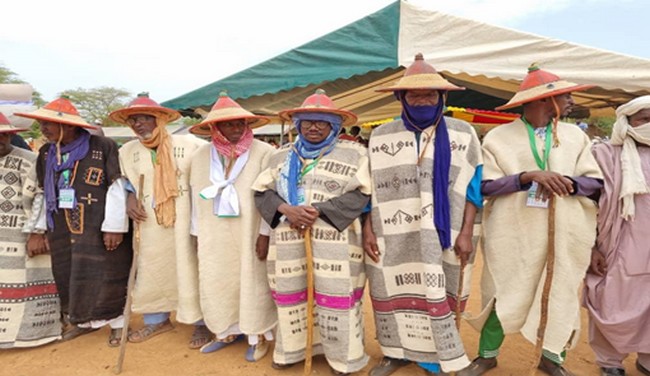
(241, 240)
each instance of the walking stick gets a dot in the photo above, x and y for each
(459, 293)
(310, 301)
(129, 289)
(548, 281)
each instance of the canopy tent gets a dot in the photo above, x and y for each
(354, 61)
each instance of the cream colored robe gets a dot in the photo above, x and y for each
(167, 278)
(516, 236)
(233, 284)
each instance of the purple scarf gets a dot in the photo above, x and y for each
(416, 119)
(77, 150)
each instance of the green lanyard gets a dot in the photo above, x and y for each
(65, 173)
(533, 146)
(309, 167)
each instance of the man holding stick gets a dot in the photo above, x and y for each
(317, 187)
(526, 162)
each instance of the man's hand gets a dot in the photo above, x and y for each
(598, 264)
(370, 240)
(262, 247)
(300, 217)
(37, 244)
(112, 240)
(134, 210)
(463, 247)
(549, 183)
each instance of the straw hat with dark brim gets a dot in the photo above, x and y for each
(60, 111)
(143, 105)
(226, 109)
(320, 102)
(540, 84)
(7, 127)
(421, 76)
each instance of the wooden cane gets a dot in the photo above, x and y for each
(459, 293)
(310, 301)
(548, 281)
(134, 265)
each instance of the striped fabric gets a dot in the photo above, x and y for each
(338, 266)
(410, 284)
(29, 303)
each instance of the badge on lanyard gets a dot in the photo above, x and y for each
(532, 201)
(66, 198)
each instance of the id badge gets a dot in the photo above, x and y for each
(66, 198)
(532, 201)
(301, 195)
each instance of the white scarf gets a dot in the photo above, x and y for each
(633, 180)
(226, 201)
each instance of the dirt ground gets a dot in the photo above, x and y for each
(168, 354)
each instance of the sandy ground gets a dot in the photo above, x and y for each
(168, 354)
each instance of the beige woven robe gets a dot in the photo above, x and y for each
(516, 236)
(167, 278)
(233, 285)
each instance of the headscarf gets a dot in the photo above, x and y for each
(77, 149)
(633, 181)
(227, 148)
(302, 148)
(416, 119)
(165, 188)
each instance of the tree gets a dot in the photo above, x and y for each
(95, 104)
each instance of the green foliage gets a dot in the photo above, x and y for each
(603, 123)
(189, 121)
(95, 104)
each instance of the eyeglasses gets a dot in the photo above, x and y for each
(139, 119)
(319, 124)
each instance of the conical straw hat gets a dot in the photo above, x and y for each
(226, 109)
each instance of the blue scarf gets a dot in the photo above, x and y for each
(78, 150)
(290, 173)
(416, 119)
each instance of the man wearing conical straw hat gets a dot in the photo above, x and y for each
(426, 172)
(87, 227)
(526, 162)
(234, 292)
(313, 194)
(167, 277)
(619, 277)
(25, 260)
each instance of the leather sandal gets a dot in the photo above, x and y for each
(280, 367)
(149, 331)
(200, 337)
(218, 344)
(478, 367)
(387, 366)
(551, 368)
(115, 337)
(612, 371)
(75, 331)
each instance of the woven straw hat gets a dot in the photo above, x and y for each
(320, 102)
(60, 111)
(421, 76)
(6, 127)
(142, 104)
(226, 109)
(539, 84)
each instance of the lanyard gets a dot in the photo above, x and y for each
(533, 146)
(67, 181)
(310, 166)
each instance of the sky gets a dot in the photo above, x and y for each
(171, 48)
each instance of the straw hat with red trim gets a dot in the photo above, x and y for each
(144, 105)
(60, 111)
(320, 102)
(7, 127)
(226, 109)
(539, 84)
(421, 76)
